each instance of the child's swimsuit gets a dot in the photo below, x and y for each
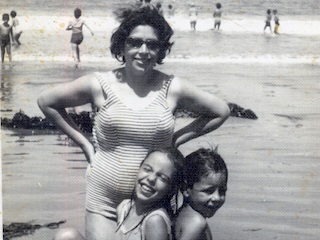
(77, 38)
(137, 232)
(5, 41)
(268, 20)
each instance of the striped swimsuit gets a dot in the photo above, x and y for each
(123, 137)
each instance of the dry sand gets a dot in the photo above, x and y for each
(273, 189)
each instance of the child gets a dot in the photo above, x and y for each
(159, 8)
(268, 20)
(16, 29)
(193, 15)
(206, 178)
(276, 22)
(6, 37)
(217, 16)
(170, 10)
(77, 36)
(147, 214)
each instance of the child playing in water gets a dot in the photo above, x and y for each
(217, 16)
(147, 214)
(206, 178)
(16, 28)
(276, 21)
(75, 26)
(170, 10)
(193, 15)
(268, 20)
(6, 37)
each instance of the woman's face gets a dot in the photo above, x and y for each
(141, 49)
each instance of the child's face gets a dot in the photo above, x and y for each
(154, 178)
(208, 195)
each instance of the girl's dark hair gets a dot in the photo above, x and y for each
(77, 13)
(218, 5)
(133, 17)
(202, 163)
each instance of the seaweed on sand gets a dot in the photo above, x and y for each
(85, 119)
(17, 229)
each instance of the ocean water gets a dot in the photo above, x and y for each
(229, 7)
(241, 38)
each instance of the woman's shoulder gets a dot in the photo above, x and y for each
(107, 75)
(180, 85)
(162, 75)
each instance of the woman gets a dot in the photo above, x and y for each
(135, 106)
(77, 37)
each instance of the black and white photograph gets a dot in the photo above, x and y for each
(160, 119)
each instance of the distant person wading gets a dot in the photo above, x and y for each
(77, 36)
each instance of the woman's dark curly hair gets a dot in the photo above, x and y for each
(131, 18)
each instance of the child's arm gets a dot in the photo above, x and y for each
(88, 28)
(69, 27)
(11, 35)
(156, 228)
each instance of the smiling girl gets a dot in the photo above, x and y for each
(147, 215)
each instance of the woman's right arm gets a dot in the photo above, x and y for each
(54, 102)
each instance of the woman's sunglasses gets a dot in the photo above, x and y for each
(138, 42)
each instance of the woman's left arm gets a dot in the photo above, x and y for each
(212, 110)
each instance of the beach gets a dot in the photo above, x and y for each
(273, 162)
(274, 179)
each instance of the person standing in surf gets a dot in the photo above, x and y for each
(75, 26)
(268, 21)
(217, 16)
(276, 21)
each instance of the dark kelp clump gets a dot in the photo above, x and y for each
(17, 229)
(85, 119)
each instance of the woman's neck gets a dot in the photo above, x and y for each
(141, 84)
(132, 78)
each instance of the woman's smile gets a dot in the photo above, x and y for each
(141, 53)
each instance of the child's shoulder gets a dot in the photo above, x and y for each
(188, 216)
(158, 218)
(158, 215)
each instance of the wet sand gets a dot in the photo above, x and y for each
(273, 189)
